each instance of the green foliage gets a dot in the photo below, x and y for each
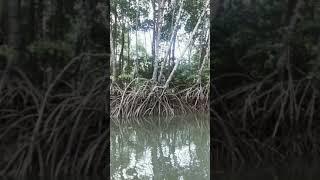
(170, 19)
(145, 67)
(125, 78)
(127, 11)
(186, 75)
(194, 9)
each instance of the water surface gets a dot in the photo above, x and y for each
(175, 148)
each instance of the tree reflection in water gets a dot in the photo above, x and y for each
(160, 148)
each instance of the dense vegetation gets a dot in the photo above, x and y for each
(266, 57)
(53, 64)
(159, 57)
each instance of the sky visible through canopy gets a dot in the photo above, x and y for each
(144, 38)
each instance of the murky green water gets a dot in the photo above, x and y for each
(175, 148)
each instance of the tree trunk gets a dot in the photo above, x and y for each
(157, 42)
(128, 44)
(154, 32)
(207, 52)
(173, 33)
(113, 58)
(113, 37)
(128, 50)
(188, 44)
(202, 55)
(173, 49)
(115, 32)
(121, 51)
(135, 60)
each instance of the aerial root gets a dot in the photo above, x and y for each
(143, 98)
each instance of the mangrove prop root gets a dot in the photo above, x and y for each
(141, 98)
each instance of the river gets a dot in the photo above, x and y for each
(158, 148)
